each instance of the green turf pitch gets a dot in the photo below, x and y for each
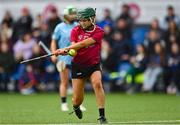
(120, 109)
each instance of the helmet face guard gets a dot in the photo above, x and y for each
(87, 14)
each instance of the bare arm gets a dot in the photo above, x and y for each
(82, 44)
(53, 45)
(76, 46)
(53, 48)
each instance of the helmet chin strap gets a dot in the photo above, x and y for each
(92, 21)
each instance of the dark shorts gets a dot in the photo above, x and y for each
(68, 66)
(84, 72)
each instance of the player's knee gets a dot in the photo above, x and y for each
(97, 85)
(64, 84)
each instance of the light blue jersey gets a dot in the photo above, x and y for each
(62, 36)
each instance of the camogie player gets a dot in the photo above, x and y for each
(86, 40)
(61, 39)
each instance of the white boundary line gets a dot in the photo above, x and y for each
(148, 122)
(158, 122)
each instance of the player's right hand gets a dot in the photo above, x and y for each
(62, 52)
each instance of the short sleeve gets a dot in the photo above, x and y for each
(56, 33)
(97, 36)
(73, 35)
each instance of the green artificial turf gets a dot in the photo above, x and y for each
(120, 109)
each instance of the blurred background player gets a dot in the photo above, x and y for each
(86, 38)
(61, 39)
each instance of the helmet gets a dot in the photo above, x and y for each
(70, 10)
(86, 13)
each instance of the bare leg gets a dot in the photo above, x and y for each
(63, 88)
(64, 82)
(78, 91)
(98, 88)
(96, 81)
(78, 95)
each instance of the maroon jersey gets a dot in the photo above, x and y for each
(90, 55)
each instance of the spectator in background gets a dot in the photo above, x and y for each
(45, 35)
(27, 81)
(155, 26)
(107, 20)
(107, 43)
(32, 76)
(23, 24)
(36, 34)
(125, 14)
(173, 70)
(171, 16)
(120, 52)
(23, 47)
(108, 34)
(42, 34)
(105, 50)
(123, 27)
(107, 25)
(38, 65)
(118, 59)
(172, 35)
(138, 66)
(53, 20)
(152, 38)
(38, 21)
(124, 22)
(8, 19)
(6, 33)
(155, 65)
(122, 47)
(6, 65)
